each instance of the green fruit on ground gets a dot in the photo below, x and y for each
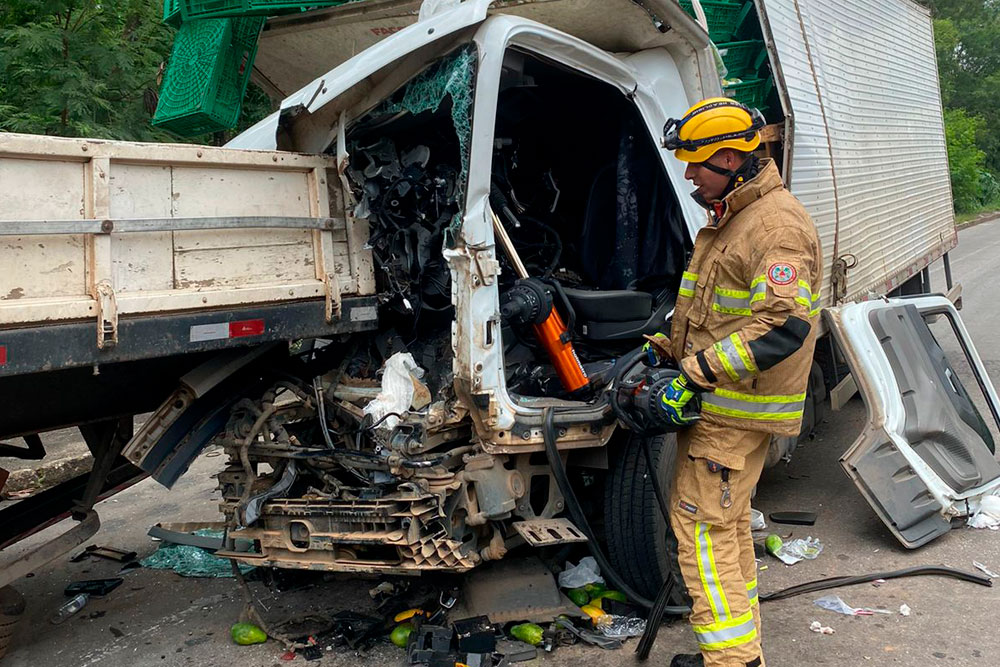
(595, 589)
(772, 544)
(400, 634)
(245, 634)
(529, 633)
(578, 596)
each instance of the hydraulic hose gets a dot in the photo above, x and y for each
(576, 513)
(837, 582)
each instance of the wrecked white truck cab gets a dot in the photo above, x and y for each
(430, 126)
(656, 70)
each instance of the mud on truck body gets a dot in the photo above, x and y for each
(427, 120)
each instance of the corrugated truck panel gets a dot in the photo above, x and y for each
(879, 104)
(811, 176)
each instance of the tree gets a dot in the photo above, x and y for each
(75, 68)
(966, 33)
(965, 159)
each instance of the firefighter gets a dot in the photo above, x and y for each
(742, 334)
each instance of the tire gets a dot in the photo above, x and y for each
(11, 608)
(641, 546)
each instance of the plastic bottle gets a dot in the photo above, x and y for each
(70, 608)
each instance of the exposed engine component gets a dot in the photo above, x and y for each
(409, 200)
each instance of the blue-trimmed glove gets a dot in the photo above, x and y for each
(657, 349)
(675, 401)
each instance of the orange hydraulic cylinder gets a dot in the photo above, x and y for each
(567, 364)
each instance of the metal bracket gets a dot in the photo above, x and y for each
(485, 268)
(333, 302)
(107, 316)
(838, 277)
(548, 532)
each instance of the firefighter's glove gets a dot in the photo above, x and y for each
(657, 349)
(679, 402)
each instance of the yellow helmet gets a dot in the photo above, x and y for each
(710, 125)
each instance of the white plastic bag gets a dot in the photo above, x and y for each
(757, 520)
(834, 603)
(620, 627)
(397, 391)
(585, 572)
(988, 515)
(792, 552)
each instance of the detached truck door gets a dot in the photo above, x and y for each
(926, 455)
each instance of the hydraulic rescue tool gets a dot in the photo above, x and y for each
(530, 301)
(635, 394)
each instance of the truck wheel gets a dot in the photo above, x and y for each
(11, 608)
(641, 546)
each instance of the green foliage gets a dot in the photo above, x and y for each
(966, 33)
(965, 158)
(76, 68)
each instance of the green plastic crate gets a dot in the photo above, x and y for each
(750, 92)
(198, 9)
(742, 58)
(209, 71)
(172, 12)
(724, 16)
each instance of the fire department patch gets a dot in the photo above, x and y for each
(781, 274)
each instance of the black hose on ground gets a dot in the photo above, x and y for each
(660, 606)
(576, 513)
(837, 582)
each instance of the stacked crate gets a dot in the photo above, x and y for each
(211, 60)
(735, 30)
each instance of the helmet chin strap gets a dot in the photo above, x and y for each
(737, 177)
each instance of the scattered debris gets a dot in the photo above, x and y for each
(757, 520)
(70, 608)
(110, 553)
(793, 518)
(988, 514)
(792, 552)
(581, 574)
(818, 627)
(97, 587)
(878, 582)
(904, 609)
(620, 627)
(475, 635)
(428, 643)
(985, 570)
(246, 634)
(834, 603)
(516, 651)
(400, 379)
(189, 561)
(588, 637)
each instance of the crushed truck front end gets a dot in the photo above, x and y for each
(420, 445)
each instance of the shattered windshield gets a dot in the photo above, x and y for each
(385, 165)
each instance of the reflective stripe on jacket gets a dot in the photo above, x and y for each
(745, 322)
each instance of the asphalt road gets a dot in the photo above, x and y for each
(159, 618)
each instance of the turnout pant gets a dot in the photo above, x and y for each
(717, 469)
